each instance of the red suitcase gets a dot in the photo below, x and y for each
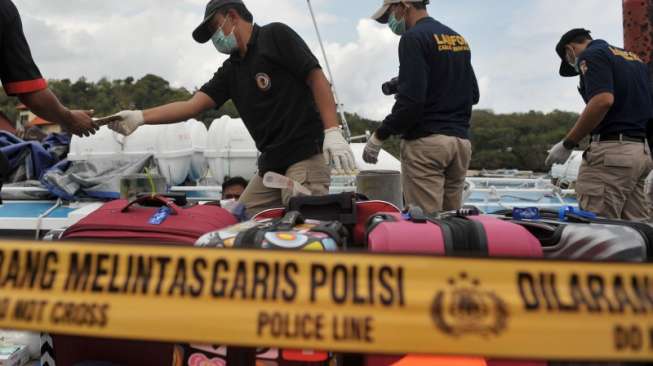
(121, 220)
(457, 235)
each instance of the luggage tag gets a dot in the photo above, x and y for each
(564, 211)
(528, 213)
(160, 216)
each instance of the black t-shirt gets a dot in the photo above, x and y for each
(437, 84)
(608, 69)
(268, 86)
(18, 72)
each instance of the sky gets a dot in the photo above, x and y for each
(512, 42)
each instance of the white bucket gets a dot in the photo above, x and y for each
(231, 151)
(174, 153)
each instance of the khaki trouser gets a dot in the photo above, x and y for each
(312, 173)
(434, 169)
(612, 178)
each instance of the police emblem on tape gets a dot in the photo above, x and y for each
(263, 81)
(466, 308)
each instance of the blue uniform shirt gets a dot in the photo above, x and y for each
(608, 69)
(437, 84)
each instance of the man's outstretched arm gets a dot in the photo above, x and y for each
(46, 105)
(168, 113)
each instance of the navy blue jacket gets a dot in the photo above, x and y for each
(437, 84)
(608, 69)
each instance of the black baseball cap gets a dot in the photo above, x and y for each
(203, 33)
(566, 69)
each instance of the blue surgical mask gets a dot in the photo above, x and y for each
(398, 27)
(225, 44)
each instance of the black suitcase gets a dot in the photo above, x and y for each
(597, 239)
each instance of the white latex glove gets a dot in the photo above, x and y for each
(130, 122)
(372, 150)
(337, 152)
(559, 154)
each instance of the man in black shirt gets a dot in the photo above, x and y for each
(437, 88)
(281, 94)
(21, 77)
(616, 87)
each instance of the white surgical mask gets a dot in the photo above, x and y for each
(225, 44)
(574, 64)
(398, 27)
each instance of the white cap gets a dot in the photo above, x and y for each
(381, 15)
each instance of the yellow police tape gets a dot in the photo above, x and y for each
(337, 302)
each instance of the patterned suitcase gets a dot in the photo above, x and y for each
(348, 209)
(291, 232)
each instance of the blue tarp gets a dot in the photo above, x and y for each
(32, 159)
(45, 162)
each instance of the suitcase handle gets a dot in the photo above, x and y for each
(337, 207)
(163, 200)
(417, 215)
(289, 221)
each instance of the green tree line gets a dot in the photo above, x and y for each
(108, 97)
(510, 141)
(500, 141)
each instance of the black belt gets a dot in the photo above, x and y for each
(618, 137)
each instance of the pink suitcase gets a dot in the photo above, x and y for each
(478, 236)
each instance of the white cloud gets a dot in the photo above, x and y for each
(116, 39)
(522, 72)
(360, 67)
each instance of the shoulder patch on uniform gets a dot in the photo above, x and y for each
(583, 67)
(263, 81)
